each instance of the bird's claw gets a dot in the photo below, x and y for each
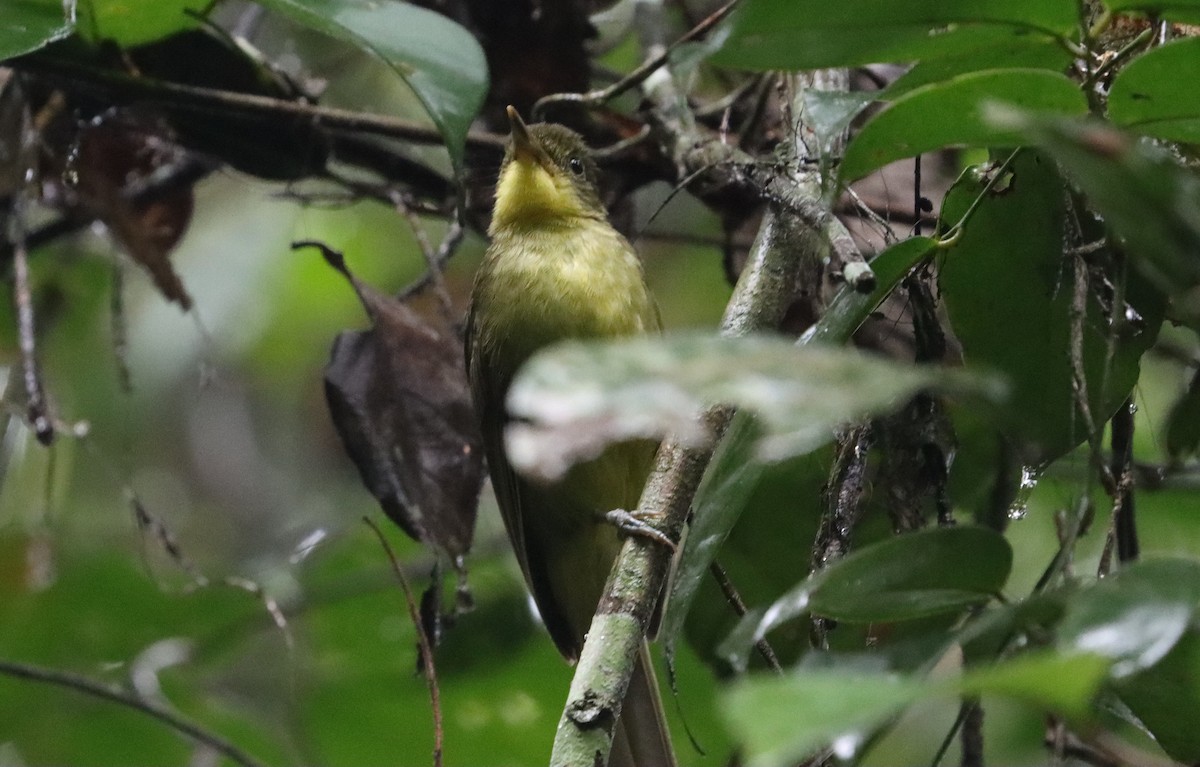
(629, 523)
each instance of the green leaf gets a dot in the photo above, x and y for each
(1175, 10)
(438, 58)
(902, 578)
(912, 576)
(1136, 616)
(1141, 192)
(1066, 684)
(951, 113)
(1183, 424)
(26, 25)
(806, 34)
(1007, 291)
(129, 24)
(1158, 93)
(729, 481)
(577, 397)
(1033, 51)
(780, 720)
(850, 308)
(1166, 698)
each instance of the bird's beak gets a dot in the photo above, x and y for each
(525, 147)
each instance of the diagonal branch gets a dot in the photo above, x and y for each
(104, 692)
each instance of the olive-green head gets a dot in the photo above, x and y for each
(548, 178)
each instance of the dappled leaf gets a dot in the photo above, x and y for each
(804, 34)
(115, 155)
(579, 396)
(439, 59)
(1007, 287)
(1158, 93)
(951, 113)
(399, 399)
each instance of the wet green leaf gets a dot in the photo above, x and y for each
(804, 34)
(577, 397)
(1158, 93)
(439, 59)
(951, 113)
(26, 25)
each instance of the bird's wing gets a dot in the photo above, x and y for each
(489, 391)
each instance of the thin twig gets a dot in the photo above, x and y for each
(739, 608)
(423, 645)
(637, 76)
(105, 692)
(450, 242)
(435, 266)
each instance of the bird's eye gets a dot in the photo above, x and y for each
(576, 166)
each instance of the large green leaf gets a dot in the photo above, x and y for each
(26, 25)
(1158, 93)
(951, 113)
(803, 34)
(1143, 194)
(1007, 288)
(577, 397)
(439, 59)
(128, 24)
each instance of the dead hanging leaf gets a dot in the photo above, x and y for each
(116, 156)
(399, 398)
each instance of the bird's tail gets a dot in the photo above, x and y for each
(642, 738)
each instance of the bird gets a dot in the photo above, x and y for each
(556, 269)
